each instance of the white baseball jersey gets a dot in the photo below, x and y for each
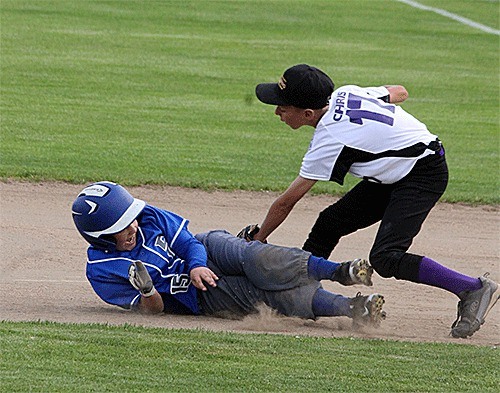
(363, 135)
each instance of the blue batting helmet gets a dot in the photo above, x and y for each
(103, 209)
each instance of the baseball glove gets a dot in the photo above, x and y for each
(249, 232)
(140, 279)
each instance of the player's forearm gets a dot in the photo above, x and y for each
(282, 206)
(275, 216)
(151, 305)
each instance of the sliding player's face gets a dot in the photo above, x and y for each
(127, 239)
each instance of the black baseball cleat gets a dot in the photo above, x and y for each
(356, 272)
(473, 308)
(367, 310)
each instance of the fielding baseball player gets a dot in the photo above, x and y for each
(144, 258)
(403, 170)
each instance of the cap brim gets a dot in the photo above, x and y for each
(270, 93)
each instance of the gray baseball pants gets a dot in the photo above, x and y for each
(253, 272)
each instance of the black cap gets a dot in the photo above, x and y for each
(302, 86)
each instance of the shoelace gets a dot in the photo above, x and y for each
(366, 311)
(459, 314)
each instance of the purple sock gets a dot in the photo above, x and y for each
(436, 275)
(328, 304)
(320, 268)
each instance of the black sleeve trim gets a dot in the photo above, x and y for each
(386, 98)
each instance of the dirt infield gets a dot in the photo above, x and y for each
(42, 262)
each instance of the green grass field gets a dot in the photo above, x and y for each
(94, 358)
(162, 92)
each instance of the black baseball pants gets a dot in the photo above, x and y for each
(401, 208)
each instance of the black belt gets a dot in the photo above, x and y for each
(435, 146)
(438, 149)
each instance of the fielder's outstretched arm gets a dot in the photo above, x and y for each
(283, 205)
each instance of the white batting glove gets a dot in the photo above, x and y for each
(140, 279)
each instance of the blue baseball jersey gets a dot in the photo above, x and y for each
(168, 251)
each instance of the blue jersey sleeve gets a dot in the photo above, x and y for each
(109, 279)
(182, 242)
(190, 249)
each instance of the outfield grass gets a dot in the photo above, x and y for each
(44, 357)
(485, 12)
(163, 92)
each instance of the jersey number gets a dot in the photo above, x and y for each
(179, 283)
(356, 114)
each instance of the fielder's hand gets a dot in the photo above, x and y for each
(249, 232)
(140, 279)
